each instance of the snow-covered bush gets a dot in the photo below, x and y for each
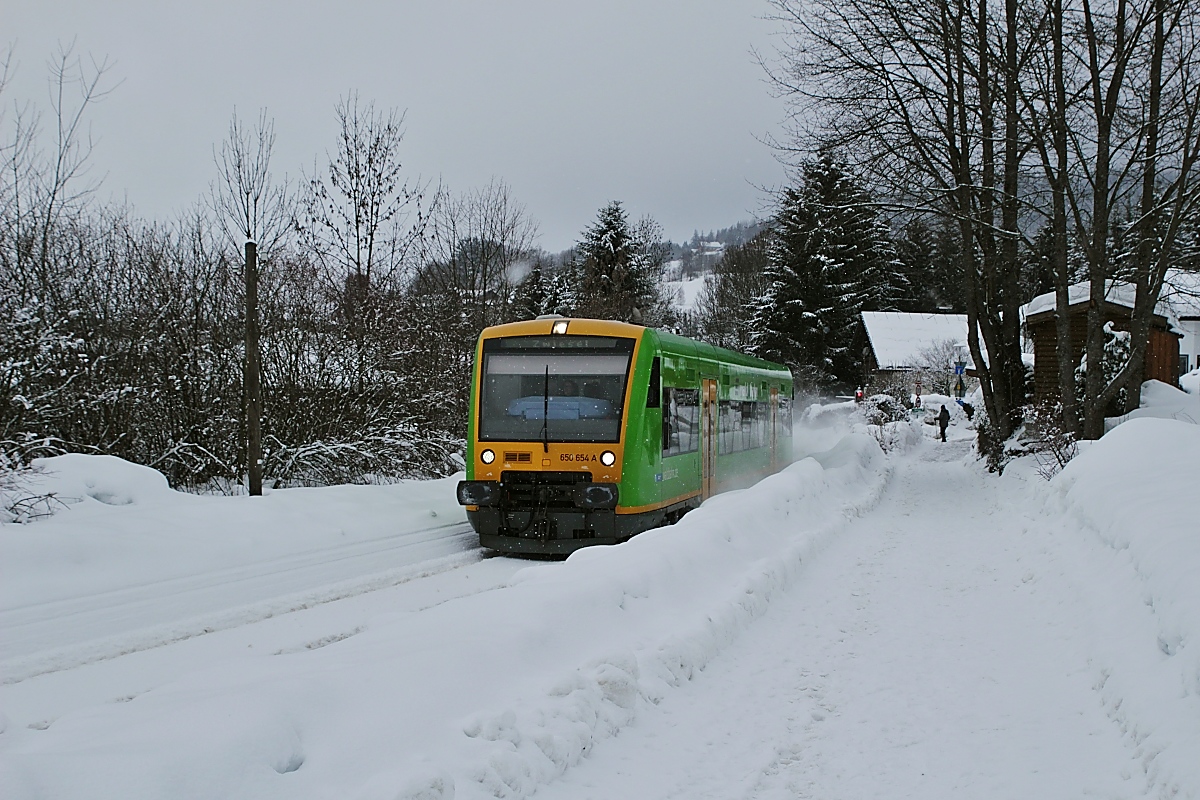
(880, 409)
(20, 499)
(1117, 347)
(990, 446)
(882, 413)
(1051, 445)
(403, 450)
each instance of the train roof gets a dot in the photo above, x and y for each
(543, 326)
(705, 350)
(579, 326)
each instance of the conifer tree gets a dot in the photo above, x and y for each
(545, 289)
(931, 268)
(619, 269)
(529, 298)
(829, 258)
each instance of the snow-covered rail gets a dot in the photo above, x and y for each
(63, 633)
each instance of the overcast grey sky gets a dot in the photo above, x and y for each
(658, 103)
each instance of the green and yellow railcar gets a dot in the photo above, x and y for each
(587, 432)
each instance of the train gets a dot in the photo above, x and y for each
(586, 432)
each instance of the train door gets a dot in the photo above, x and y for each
(708, 436)
(774, 429)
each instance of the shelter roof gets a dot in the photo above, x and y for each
(1118, 293)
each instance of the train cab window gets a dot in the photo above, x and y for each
(554, 389)
(681, 421)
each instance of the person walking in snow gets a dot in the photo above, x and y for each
(943, 419)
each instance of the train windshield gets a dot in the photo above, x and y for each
(553, 388)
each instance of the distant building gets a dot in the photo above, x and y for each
(903, 348)
(1162, 355)
(1182, 295)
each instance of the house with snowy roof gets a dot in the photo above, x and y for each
(1162, 353)
(904, 347)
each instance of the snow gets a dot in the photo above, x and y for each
(684, 293)
(897, 338)
(861, 624)
(1133, 493)
(1162, 401)
(1118, 292)
(1191, 382)
(174, 564)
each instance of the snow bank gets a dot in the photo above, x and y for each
(1136, 489)
(124, 530)
(490, 695)
(1191, 382)
(52, 483)
(123, 518)
(76, 478)
(1162, 401)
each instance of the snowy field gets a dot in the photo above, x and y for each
(860, 625)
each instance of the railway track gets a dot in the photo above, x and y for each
(40, 638)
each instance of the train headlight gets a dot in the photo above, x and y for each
(608, 458)
(487, 456)
(559, 327)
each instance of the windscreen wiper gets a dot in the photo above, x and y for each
(546, 412)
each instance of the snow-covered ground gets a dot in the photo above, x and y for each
(859, 625)
(685, 292)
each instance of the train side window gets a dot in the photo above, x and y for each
(729, 426)
(681, 421)
(743, 425)
(784, 418)
(654, 392)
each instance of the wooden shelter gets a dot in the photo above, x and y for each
(1162, 353)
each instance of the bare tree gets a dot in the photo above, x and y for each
(923, 95)
(43, 187)
(44, 195)
(724, 304)
(362, 218)
(1119, 138)
(936, 365)
(476, 245)
(1146, 149)
(248, 204)
(362, 222)
(254, 211)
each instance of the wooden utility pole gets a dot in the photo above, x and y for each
(252, 384)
